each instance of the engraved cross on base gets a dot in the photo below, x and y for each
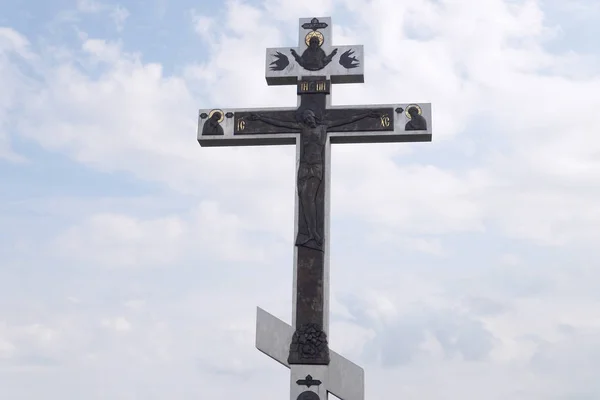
(313, 126)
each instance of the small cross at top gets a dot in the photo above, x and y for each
(314, 24)
(308, 381)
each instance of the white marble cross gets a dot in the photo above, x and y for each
(315, 370)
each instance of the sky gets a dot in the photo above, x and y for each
(132, 260)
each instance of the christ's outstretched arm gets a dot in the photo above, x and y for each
(297, 57)
(328, 58)
(358, 117)
(275, 122)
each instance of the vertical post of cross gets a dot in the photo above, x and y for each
(313, 66)
(309, 343)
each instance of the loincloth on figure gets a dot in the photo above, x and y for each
(306, 171)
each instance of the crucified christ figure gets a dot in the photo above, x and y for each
(313, 135)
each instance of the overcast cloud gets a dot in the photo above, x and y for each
(132, 259)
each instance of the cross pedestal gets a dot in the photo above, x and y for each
(341, 377)
(313, 126)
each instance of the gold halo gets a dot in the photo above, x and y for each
(310, 36)
(413, 106)
(210, 114)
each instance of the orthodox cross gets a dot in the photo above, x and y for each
(313, 126)
(308, 381)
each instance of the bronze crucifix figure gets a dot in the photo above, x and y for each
(313, 135)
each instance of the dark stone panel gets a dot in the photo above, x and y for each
(337, 79)
(417, 137)
(281, 80)
(316, 102)
(309, 342)
(384, 123)
(216, 141)
(309, 284)
(244, 125)
(313, 78)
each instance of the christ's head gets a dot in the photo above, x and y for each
(313, 43)
(309, 118)
(413, 111)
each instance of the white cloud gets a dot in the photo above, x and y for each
(11, 40)
(89, 6)
(119, 14)
(204, 26)
(13, 47)
(6, 348)
(123, 241)
(135, 304)
(118, 324)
